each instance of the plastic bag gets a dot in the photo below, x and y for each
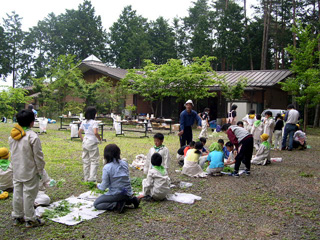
(276, 159)
(187, 198)
(117, 127)
(185, 184)
(43, 125)
(74, 130)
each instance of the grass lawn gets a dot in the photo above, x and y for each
(279, 201)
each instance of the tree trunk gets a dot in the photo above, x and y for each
(294, 24)
(305, 117)
(267, 5)
(316, 117)
(248, 38)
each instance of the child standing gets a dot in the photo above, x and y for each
(157, 183)
(232, 115)
(215, 159)
(278, 132)
(204, 122)
(27, 165)
(90, 154)
(157, 148)
(191, 167)
(115, 176)
(5, 170)
(249, 120)
(269, 125)
(257, 131)
(262, 156)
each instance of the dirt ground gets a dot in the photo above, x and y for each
(279, 201)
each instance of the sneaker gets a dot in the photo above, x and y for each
(234, 174)
(18, 221)
(120, 206)
(38, 222)
(147, 198)
(247, 172)
(135, 202)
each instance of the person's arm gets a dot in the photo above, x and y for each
(96, 133)
(286, 116)
(166, 159)
(105, 180)
(198, 120)
(199, 114)
(182, 123)
(232, 137)
(80, 133)
(38, 154)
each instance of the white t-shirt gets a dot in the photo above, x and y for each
(88, 127)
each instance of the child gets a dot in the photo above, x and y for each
(157, 183)
(262, 156)
(249, 120)
(232, 115)
(243, 141)
(116, 177)
(257, 131)
(215, 159)
(204, 122)
(269, 125)
(299, 139)
(188, 147)
(191, 167)
(240, 124)
(278, 132)
(27, 165)
(90, 154)
(204, 153)
(224, 149)
(159, 148)
(232, 157)
(5, 170)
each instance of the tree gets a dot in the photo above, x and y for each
(233, 92)
(128, 40)
(14, 37)
(12, 99)
(161, 40)
(173, 79)
(4, 60)
(199, 27)
(305, 86)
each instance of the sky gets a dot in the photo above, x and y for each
(32, 11)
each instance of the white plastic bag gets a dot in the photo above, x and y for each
(117, 127)
(43, 125)
(185, 184)
(187, 198)
(74, 130)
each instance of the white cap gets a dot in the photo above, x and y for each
(189, 101)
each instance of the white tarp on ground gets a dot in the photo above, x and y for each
(187, 198)
(139, 162)
(85, 211)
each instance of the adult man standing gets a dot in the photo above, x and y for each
(187, 118)
(291, 118)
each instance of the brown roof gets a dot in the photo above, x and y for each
(102, 68)
(257, 78)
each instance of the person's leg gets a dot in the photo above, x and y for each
(109, 202)
(248, 147)
(239, 158)
(285, 135)
(17, 202)
(202, 161)
(188, 134)
(86, 164)
(291, 133)
(94, 163)
(30, 191)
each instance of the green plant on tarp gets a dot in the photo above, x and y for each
(93, 187)
(227, 169)
(136, 184)
(205, 165)
(61, 210)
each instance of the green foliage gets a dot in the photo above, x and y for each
(227, 169)
(233, 91)
(155, 82)
(74, 107)
(128, 40)
(136, 184)
(61, 210)
(12, 100)
(305, 65)
(307, 175)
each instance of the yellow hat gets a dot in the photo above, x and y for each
(264, 137)
(17, 132)
(4, 153)
(298, 125)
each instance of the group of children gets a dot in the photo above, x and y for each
(27, 176)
